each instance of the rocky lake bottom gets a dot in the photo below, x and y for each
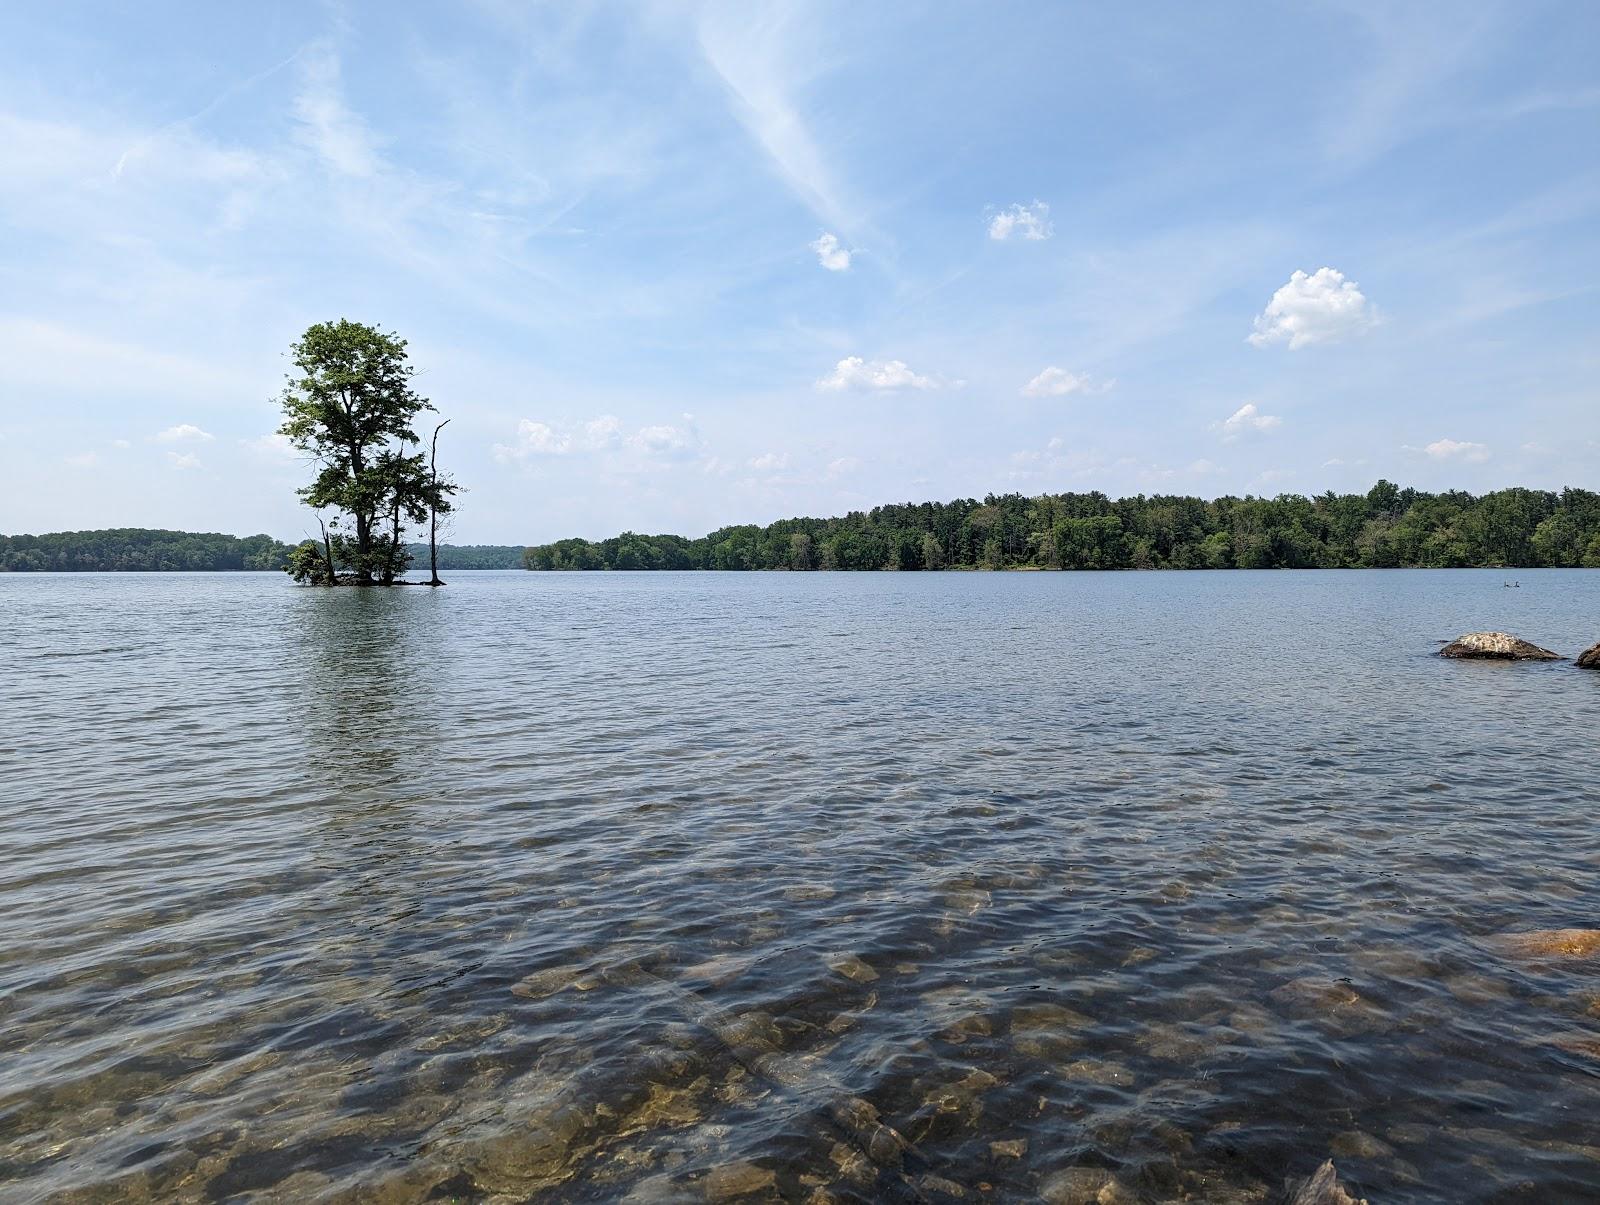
(718, 887)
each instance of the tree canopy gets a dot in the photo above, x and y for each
(138, 550)
(350, 407)
(1387, 527)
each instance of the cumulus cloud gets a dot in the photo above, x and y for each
(542, 439)
(844, 464)
(1029, 221)
(1248, 418)
(1455, 449)
(182, 433)
(853, 372)
(831, 253)
(1058, 382)
(771, 462)
(83, 460)
(1321, 308)
(662, 440)
(183, 460)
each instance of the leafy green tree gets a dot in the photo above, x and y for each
(308, 564)
(349, 405)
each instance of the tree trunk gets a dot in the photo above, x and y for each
(433, 508)
(327, 551)
(394, 544)
(363, 525)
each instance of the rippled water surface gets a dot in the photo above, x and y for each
(834, 887)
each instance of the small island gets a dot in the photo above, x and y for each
(350, 409)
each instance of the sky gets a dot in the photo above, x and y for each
(670, 266)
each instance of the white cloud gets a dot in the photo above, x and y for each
(1455, 449)
(541, 439)
(183, 460)
(662, 440)
(1321, 308)
(771, 462)
(844, 464)
(853, 372)
(83, 460)
(1030, 221)
(831, 253)
(1058, 382)
(182, 433)
(602, 432)
(534, 439)
(1248, 418)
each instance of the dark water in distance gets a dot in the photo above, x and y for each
(834, 887)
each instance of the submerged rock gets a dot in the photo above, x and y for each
(1590, 657)
(735, 1180)
(1497, 646)
(1085, 1186)
(1554, 943)
(1323, 1188)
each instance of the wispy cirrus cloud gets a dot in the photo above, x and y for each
(338, 136)
(756, 51)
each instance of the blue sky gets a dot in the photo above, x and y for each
(669, 266)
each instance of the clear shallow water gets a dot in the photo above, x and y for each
(675, 886)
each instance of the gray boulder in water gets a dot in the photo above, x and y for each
(1590, 658)
(1497, 646)
(1323, 1188)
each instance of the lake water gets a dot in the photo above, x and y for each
(882, 887)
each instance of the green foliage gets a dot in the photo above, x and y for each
(138, 550)
(471, 556)
(1387, 527)
(350, 407)
(308, 564)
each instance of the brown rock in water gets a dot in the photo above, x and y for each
(1554, 943)
(1590, 657)
(1497, 646)
(1323, 1188)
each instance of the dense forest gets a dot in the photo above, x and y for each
(469, 556)
(139, 549)
(1387, 527)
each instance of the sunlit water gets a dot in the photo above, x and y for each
(833, 887)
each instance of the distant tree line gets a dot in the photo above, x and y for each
(471, 556)
(145, 550)
(1387, 527)
(137, 550)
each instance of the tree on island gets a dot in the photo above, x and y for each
(350, 407)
